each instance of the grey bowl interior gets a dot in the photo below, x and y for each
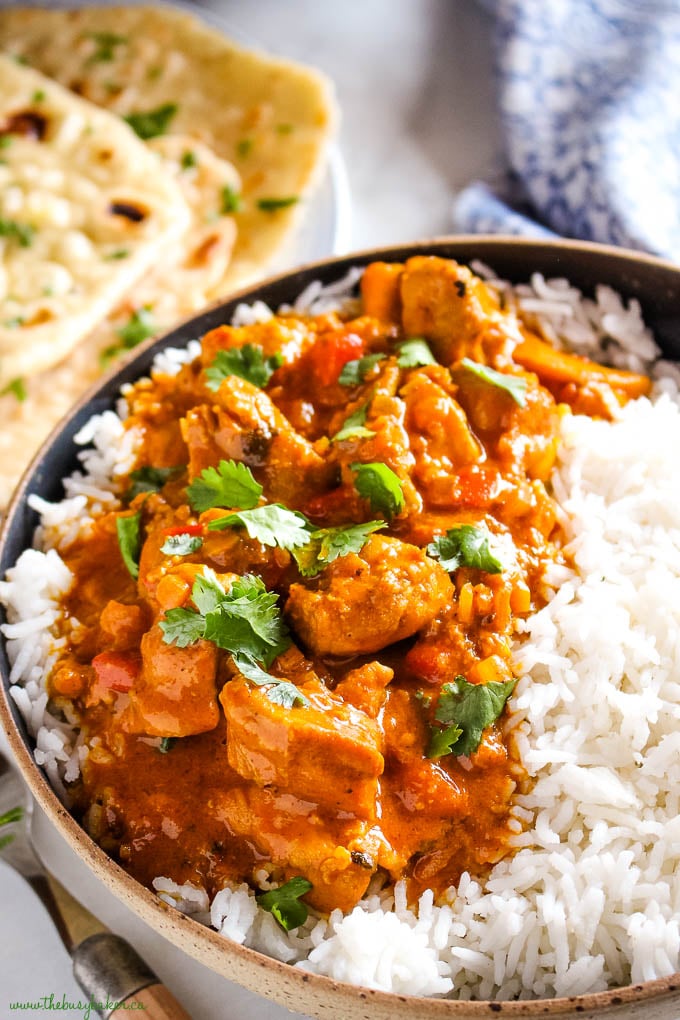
(656, 284)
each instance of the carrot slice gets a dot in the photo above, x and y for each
(561, 367)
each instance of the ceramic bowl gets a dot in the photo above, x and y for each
(656, 284)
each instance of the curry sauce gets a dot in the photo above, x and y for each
(293, 650)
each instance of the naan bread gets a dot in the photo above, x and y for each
(271, 118)
(183, 281)
(85, 209)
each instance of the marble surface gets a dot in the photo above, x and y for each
(413, 79)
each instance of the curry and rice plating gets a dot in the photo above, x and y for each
(293, 650)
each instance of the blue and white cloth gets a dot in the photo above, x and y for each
(589, 95)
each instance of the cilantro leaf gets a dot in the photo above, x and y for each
(247, 362)
(470, 708)
(181, 545)
(15, 231)
(150, 479)
(281, 692)
(271, 525)
(182, 627)
(328, 544)
(272, 204)
(138, 328)
(188, 160)
(17, 387)
(106, 43)
(354, 372)
(153, 122)
(443, 741)
(244, 620)
(207, 592)
(465, 546)
(415, 352)
(231, 484)
(14, 814)
(230, 200)
(284, 903)
(512, 384)
(129, 531)
(378, 484)
(353, 426)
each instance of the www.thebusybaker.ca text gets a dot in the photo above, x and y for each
(52, 1002)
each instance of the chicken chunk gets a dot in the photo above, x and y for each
(366, 687)
(338, 856)
(450, 307)
(174, 695)
(363, 602)
(243, 424)
(440, 436)
(327, 751)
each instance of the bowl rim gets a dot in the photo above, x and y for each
(249, 965)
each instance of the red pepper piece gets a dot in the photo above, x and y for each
(116, 671)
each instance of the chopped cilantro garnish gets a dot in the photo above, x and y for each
(353, 426)
(39, 96)
(378, 484)
(119, 253)
(21, 232)
(413, 353)
(153, 122)
(17, 387)
(129, 531)
(512, 384)
(244, 620)
(106, 44)
(271, 525)
(328, 544)
(247, 362)
(230, 200)
(181, 545)
(465, 546)
(5, 141)
(244, 147)
(272, 204)
(229, 485)
(166, 743)
(354, 372)
(139, 327)
(443, 741)
(284, 903)
(469, 708)
(14, 814)
(281, 692)
(188, 160)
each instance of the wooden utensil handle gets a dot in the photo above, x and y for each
(119, 983)
(154, 1003)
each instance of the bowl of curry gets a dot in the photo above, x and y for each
(285, 653)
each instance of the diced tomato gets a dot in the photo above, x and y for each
(185, 529)
(331, 353)
(476, 486)
(429, 662)
(116, 671)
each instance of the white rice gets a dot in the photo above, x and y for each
(591, 898)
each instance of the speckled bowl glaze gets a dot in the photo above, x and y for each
(656, 284)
